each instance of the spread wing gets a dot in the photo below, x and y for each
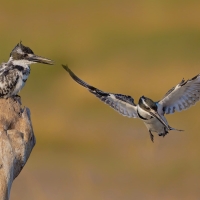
(121, 103)
(182, 96)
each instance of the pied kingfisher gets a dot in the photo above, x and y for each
(15, 72)
(179, 98)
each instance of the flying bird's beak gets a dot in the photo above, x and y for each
(156, 115)
(39, 59)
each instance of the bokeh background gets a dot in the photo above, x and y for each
(85, 150)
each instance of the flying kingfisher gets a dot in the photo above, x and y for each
(15, 72)
(179, 98)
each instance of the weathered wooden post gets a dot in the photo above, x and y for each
(16, 142)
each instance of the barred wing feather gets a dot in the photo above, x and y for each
(182, 96)
(121, 103)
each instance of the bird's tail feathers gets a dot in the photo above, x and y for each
(174, 129)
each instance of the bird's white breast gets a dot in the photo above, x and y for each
(23, 76)
(18, 87)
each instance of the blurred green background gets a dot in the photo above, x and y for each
(84, 149)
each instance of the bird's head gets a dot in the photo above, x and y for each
(147, 104)
(151, 107)
(22, 55)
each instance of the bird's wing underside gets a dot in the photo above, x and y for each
(182, 96)
(121, 103)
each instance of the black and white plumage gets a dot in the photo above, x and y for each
(15, 72)
(179, 98)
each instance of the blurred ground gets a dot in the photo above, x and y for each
(84, 149)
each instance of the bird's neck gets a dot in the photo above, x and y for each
(142, 113)
(22, 63)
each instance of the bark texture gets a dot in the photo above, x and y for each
(16, 142)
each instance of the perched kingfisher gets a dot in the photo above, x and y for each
(15, 72)
(179, 98)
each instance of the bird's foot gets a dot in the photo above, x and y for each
(151, 135)
(163, 134)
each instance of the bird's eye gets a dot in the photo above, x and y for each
(25, 55)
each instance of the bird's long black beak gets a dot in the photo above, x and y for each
(156, 115)
(39, 59)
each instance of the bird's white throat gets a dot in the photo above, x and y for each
(143, 113)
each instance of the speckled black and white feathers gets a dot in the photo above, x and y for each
(182, 96)
(12, 79)
(123, 104)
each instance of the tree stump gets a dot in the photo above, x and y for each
(16, 142)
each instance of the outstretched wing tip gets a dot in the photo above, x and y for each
(182, 96)
(66, 67)
(123, 104)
